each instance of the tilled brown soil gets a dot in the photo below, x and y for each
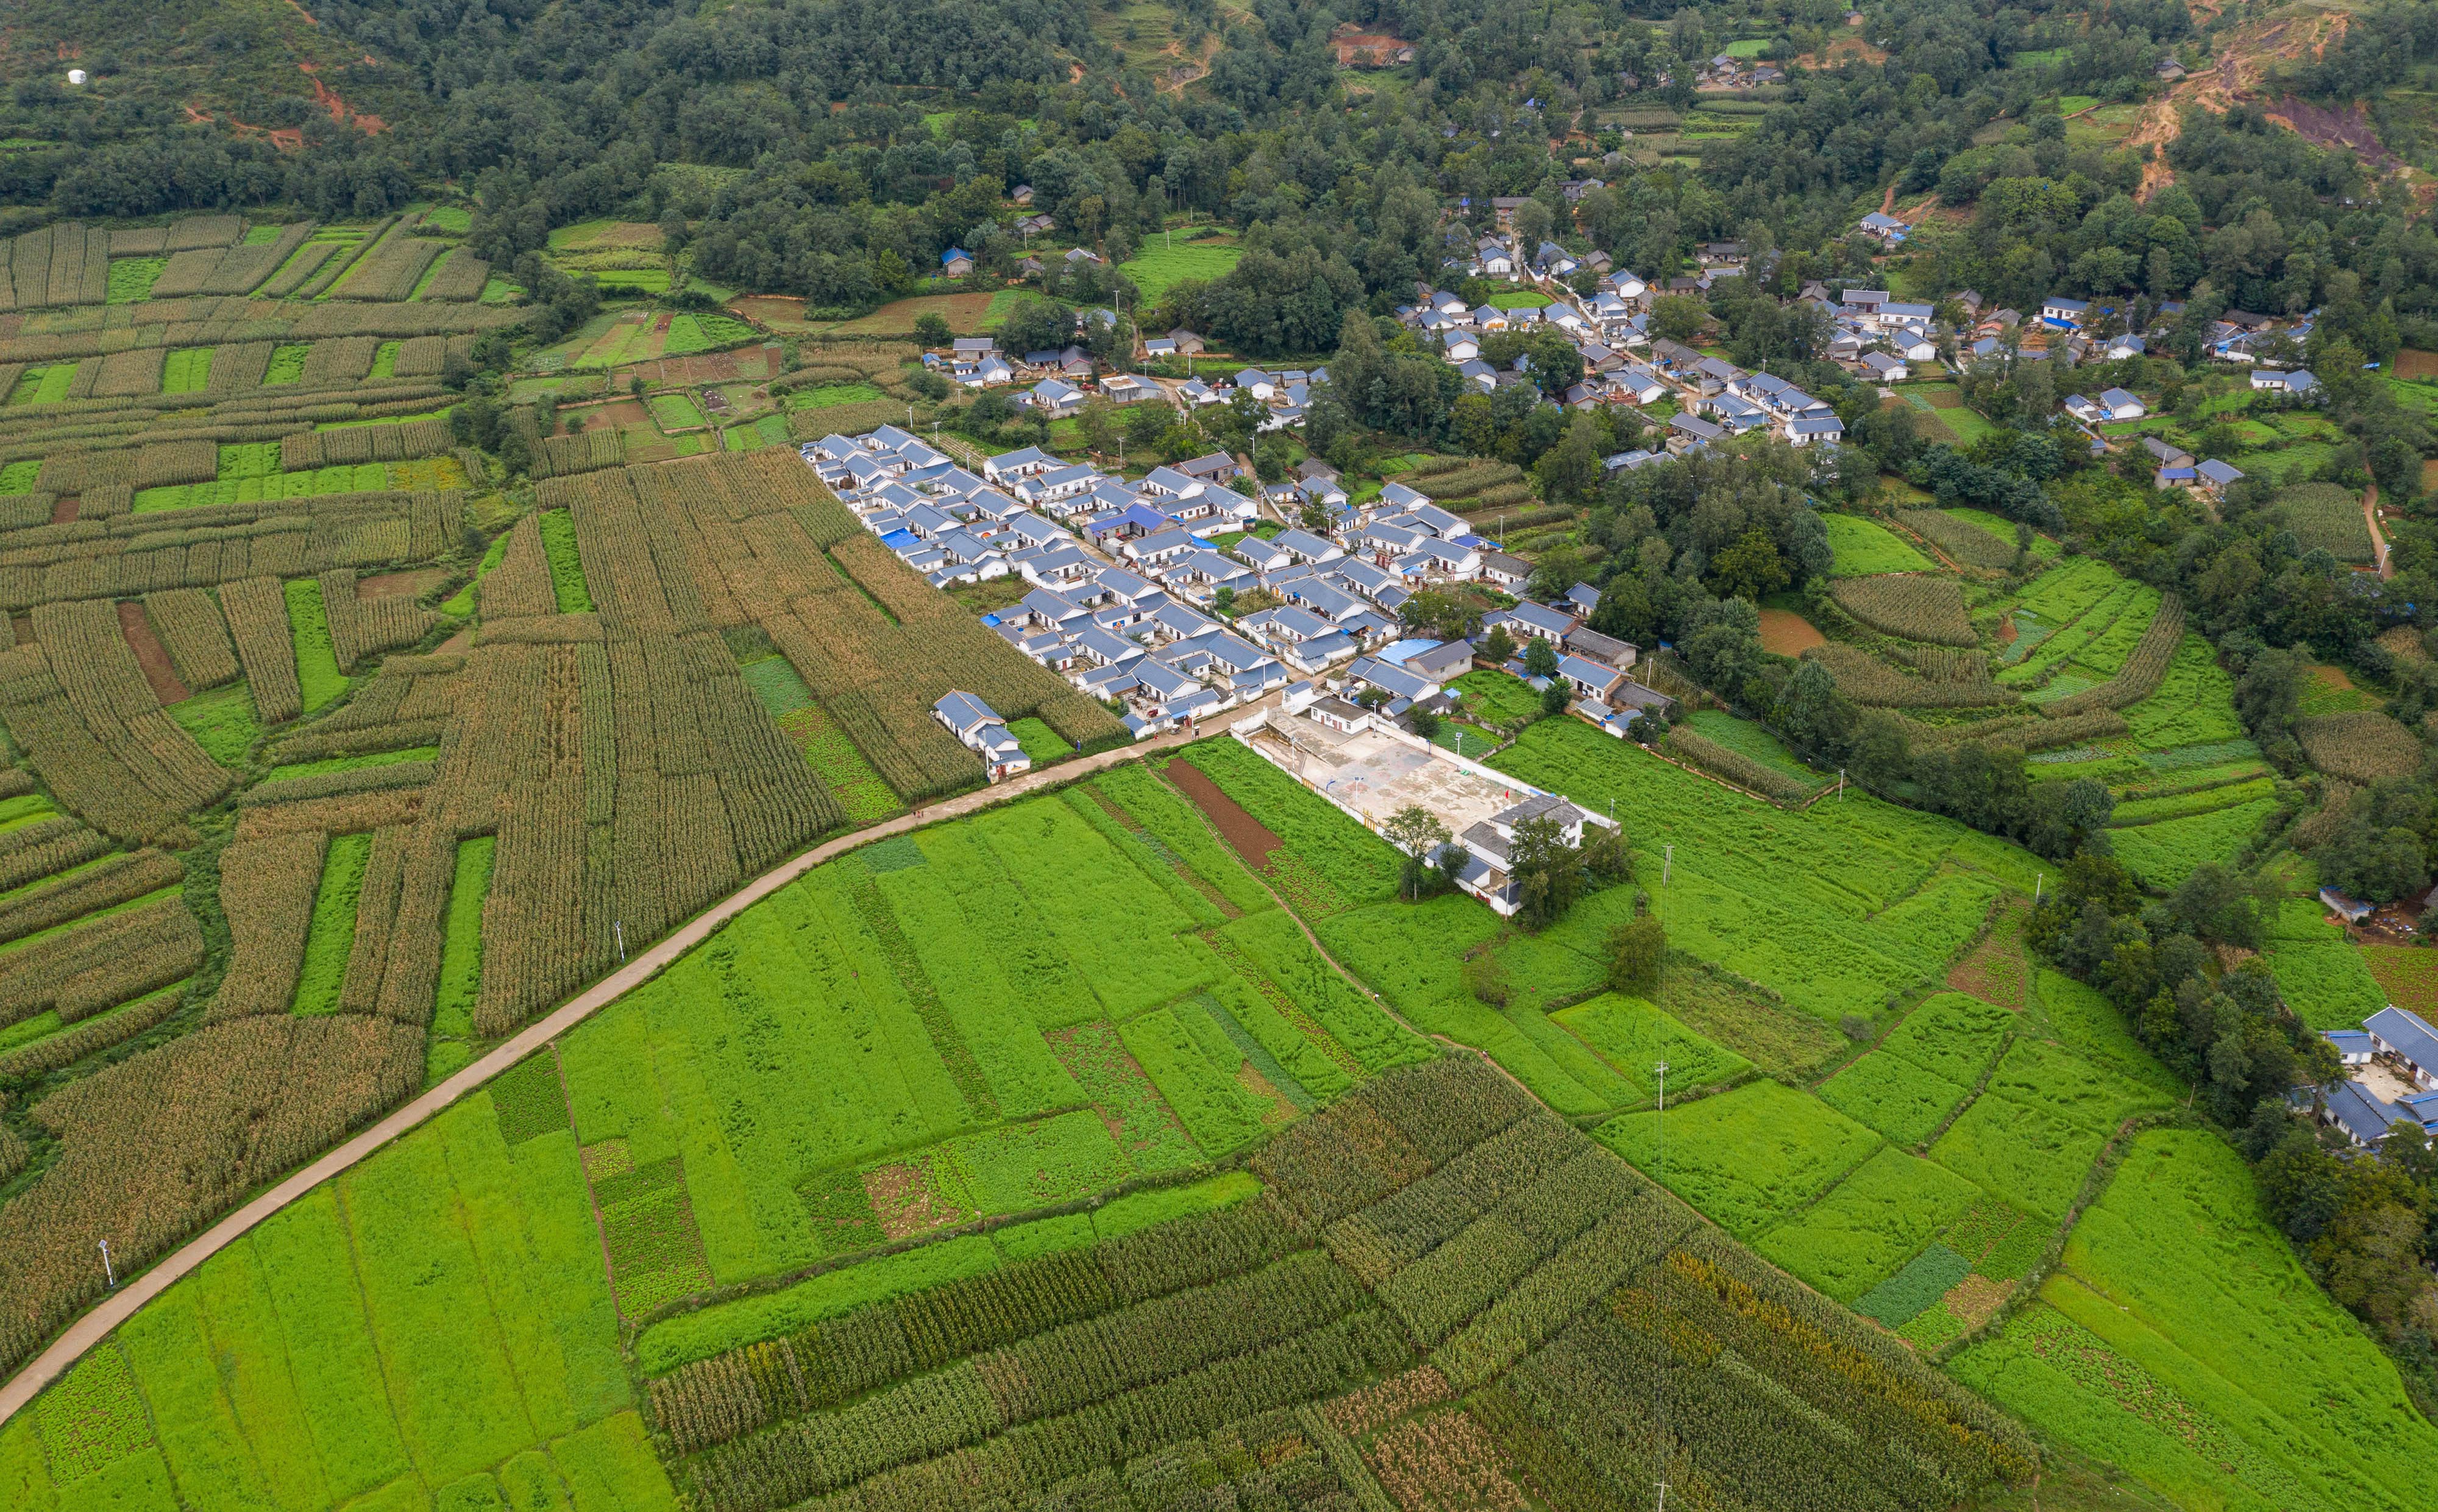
(1250, 836)
(151, 654)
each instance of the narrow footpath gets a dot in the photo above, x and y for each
(119, 1306)
(2377, 541)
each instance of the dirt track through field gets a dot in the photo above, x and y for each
(98, 1324)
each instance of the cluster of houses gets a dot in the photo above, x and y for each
(1126, 580)
(2392, 1077)
(1728, 73)
(1062, 381)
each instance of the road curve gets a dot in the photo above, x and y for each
(115, 1309)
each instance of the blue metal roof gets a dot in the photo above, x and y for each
(2409, 1032)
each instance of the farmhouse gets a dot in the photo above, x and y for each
(972, 721)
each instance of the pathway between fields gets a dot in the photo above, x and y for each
(120, 1304)
(2377, 541)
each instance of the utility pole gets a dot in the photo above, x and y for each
(2038, 878)
(1666, 864)
(1841, 782)
(106, 1268)
(618, 927)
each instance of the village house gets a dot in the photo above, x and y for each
(973, 722)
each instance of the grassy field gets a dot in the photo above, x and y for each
(2182, 1342)
(1158, 267)
(1864, 547)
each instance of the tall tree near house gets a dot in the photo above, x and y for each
(1548, 872)
(1540, 658)
(1419, 833)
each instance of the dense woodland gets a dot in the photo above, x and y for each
(833, 149)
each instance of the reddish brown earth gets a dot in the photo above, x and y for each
(1250, 836)
(151, 654)
(1785, 633)
(614, 416)
(340, 110)
(64, 508)
(400, 585)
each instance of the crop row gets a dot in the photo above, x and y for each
(235, 269)
(201, 548)
(960, 1414)
(189, 624)
(1911, 607)
(361, 628)
(1866, 679)
(80, 970)
(64, 264)
(733, 1393)
(364, 442)
(585, 451)
(1964, 541)
(2363, 746)
(31, 852)
(1691, 746)
(152, 1148)
(2141, 672)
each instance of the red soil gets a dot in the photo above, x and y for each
(1250, 836)
(1785, 633)
(151, 654)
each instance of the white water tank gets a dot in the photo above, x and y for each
(76, 76)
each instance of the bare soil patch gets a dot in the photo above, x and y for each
(64, 509)
(1785, 633)
(1250, 836)
(905, 1201)
(2413, 365)
(615, 414)
(404, 585)
(151, 654)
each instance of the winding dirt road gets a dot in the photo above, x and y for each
(120, 1304)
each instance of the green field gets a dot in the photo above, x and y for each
(1864, 547)
(2182, 1342)
(1158, 267)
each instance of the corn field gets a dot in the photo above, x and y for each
(1866, 679)
(188, 622)
(1909, 607)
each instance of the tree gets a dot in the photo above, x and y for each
(1485, 978)
(1636, 952)
(1035, 325)
(1498, 646)
(1548, 872)
(1224, 600)
(1418, 832)
(1555, 697)
(1540, 658)
(1751, 568)
(1606, 855)
(1677, 317)
(931, 331)
(1425, 722)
